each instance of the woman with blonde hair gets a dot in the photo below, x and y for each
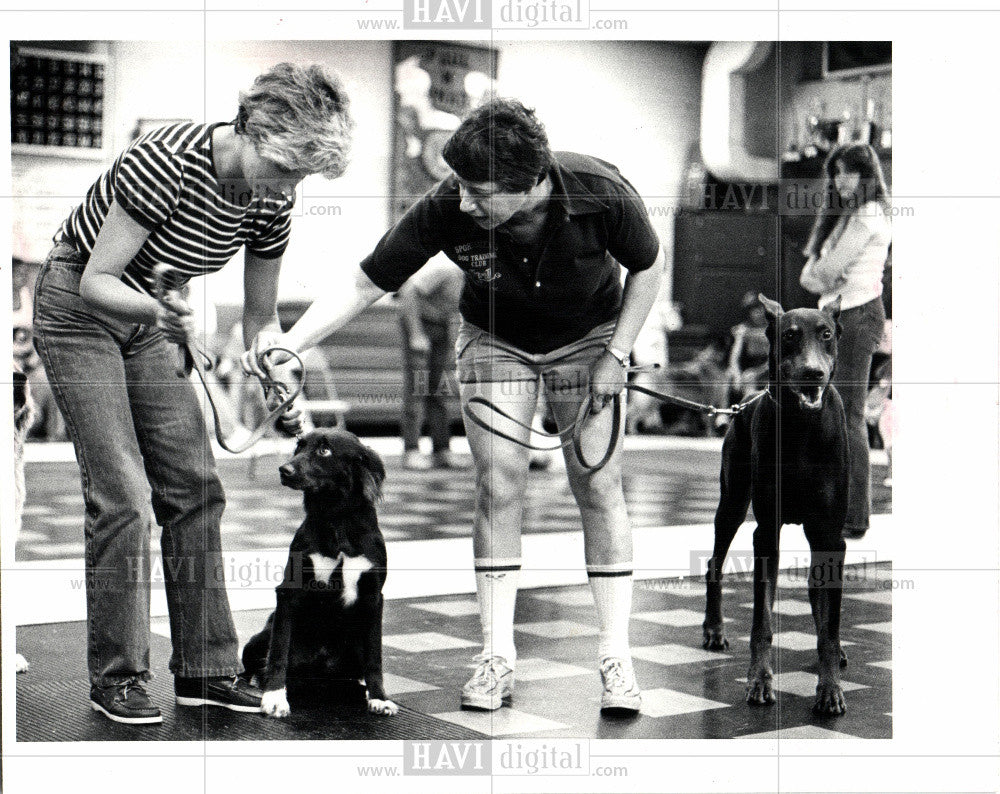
(846, 252)
(188, 196)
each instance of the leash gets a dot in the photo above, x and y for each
(572, 434)
(705, 408)
(191, 357)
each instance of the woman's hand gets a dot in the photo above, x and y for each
(607, 378)
(267, 366)
(176, 319)
(292, 420)
(257, 361)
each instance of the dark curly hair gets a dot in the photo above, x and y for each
(500, 141)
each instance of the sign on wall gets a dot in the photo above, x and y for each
(57, 102)
(435, 84)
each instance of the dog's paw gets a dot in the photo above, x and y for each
(21, 664)
(714, 640)
(384, 707)
(829, 700)
(760, 688)
(275, 704)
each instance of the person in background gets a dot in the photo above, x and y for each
(746, 367)
(189, 196)
(540, 236)
(879, 408)
(846, 255)
(652, 349)
(428, 302)
(45, 421)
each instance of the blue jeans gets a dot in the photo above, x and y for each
(139, 436)
(862, 329)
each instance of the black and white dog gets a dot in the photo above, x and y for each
(325, 635)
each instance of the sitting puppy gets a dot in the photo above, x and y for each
(326, 632)
(787, 453)
(22, 421)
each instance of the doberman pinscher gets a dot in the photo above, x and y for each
(787, 453)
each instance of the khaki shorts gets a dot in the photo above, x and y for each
(484, 358)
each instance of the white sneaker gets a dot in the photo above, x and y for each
(620, 689)
(490, 685)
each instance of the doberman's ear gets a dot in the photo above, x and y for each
(771, 308)
(832, 310)
(372, 473)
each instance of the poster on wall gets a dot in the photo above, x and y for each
(435, 83)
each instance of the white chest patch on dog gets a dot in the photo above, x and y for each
(323, 566)
(352, 570)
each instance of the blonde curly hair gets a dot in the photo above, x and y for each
(299, 117)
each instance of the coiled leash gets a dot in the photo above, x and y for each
(190, 356)
(572, 434)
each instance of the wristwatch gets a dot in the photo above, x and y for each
(623, 358)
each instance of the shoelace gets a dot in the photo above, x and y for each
(614, 674)
(487, 670)
(131, 682)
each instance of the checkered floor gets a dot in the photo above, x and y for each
(430, 641)
(662, 488)
(687, 692)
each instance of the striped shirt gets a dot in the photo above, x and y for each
(166, 182)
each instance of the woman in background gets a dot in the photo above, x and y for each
(188, 196)
(746, 368)
(846, 252)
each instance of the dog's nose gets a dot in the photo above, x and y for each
(812, 374)
(288, 469)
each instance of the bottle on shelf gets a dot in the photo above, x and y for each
(845, 130)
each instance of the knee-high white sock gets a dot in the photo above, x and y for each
(496, 588)
(612, 588)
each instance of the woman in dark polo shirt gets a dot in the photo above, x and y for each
(540, 236)
(188, 196)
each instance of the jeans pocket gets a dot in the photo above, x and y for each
(57, 288)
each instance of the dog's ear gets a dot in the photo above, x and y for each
(832, 310)
(372, 473)
(772, 308)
